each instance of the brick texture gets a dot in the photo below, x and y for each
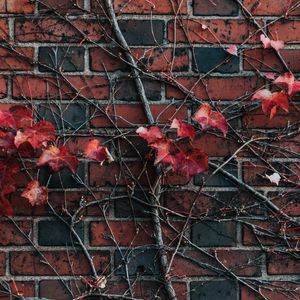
(62, 58)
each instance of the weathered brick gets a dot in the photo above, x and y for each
(71, 263)
(65, 59)
(2, 263)
(62, 6)
(215, 8)
(4, 29)
(207, 290)
(286, 30)
(125, 233)
(22, 288)
(71, 116)
(155, 7)
(209, 233)
(139, 262)
(20, 59)
(125, 115)
(257, 119)
(217, 88)
(63, 290)
(142, 32)
(266, 60)
(126, 90)
(40, 87)
(10, 235)
(216, 59)
(109, 175)
(129, 206)
(218, 179)
(56, 233)
(19, 6)
(63, 179)
(212, 31)
(58, 31)
(283, 263)
(271, 8)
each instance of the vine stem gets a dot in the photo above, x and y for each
(158, 234)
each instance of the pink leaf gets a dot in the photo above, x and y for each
(232, 50)
(208, 118)
(184, 130)
(95, 151)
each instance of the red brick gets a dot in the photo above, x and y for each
(106, 60)
(217, 88)
(19, 60)
(4, 29)
(125, 115)
(35, 87)
(282, 263)
(112, 174)
(257, 119)
(286, 30)
(240, 262)
(62, 6)
(3, 87)
(62, 290)
(269, 233)
(126, 233)
(223, 31)
(21, 288)
(11, 235)
(20, 6)
(71, 263)
(56, 30)
(280, 290)
(266, 60)
(2, 263)
(270, 7)
(160, 7)
(215, 8)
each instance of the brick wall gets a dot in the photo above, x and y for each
(60, 58)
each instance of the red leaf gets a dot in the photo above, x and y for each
(184, 130)
(271, 101)
(35, 194)
(7, 143)
(7, 120)
(208, 118)
(288, 80)
(150, 135)
(22, 116)
(8, 169)
(58, 159)
(37, 136)
(192, 163)
(95, 151)
(232, 50)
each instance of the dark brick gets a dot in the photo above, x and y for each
(63, 179)
(142, 32)
(56, 233)
(217, 180)
(68, 59)
(127, 207)
(139, 261)
(70, 116)
(209, 290)
(209, 58)
(211, 233)
(126, 90)
(215, 8)
(61, 6)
